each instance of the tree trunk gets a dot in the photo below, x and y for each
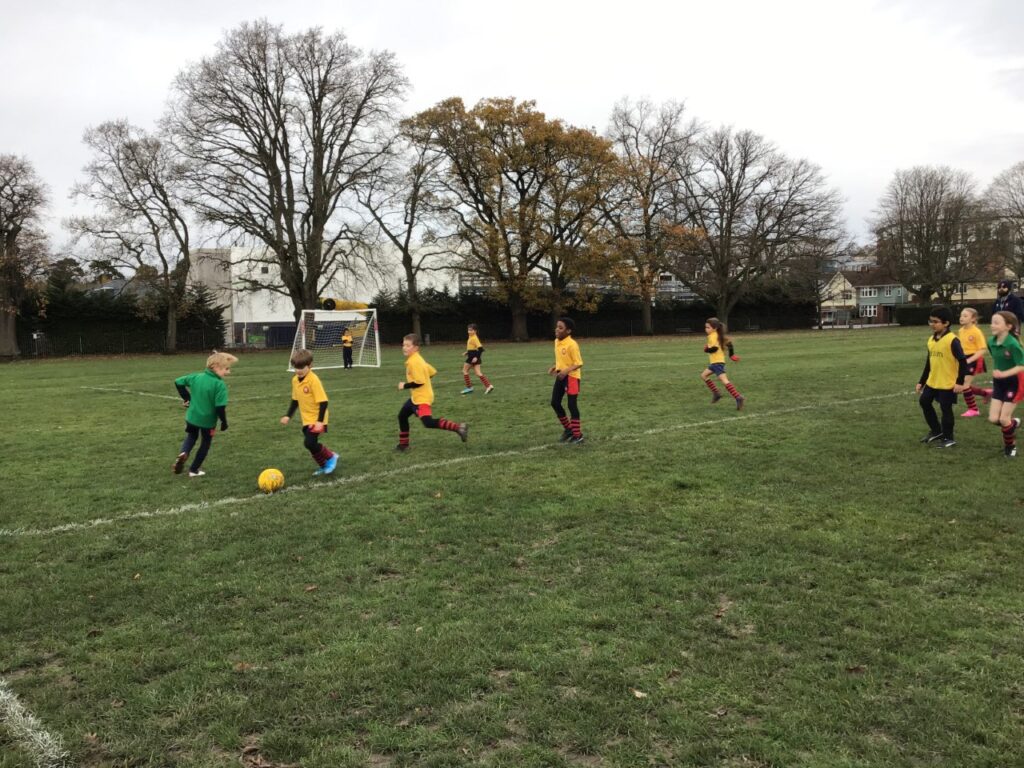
(171, 342)
(645, 316)
(8, 337)
(417, 327)
(519, 329)
(722, 308)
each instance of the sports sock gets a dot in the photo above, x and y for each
(403, 438)
(565, 421)
(732, 390)
(484, 380)
(711, 385)
(972, 404)
(451, 426)
(1008, 433)
(574, 425)
(465, 377)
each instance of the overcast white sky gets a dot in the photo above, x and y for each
(861, 88)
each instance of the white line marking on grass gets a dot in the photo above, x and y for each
(47, 750)
(131, 392)
(204, 505)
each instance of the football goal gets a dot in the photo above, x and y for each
(321, 332)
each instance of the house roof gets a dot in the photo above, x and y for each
(862, 278)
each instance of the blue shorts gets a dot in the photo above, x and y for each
(717, 368)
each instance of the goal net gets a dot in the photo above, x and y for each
(321, 331)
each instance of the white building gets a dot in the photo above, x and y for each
(258, 317)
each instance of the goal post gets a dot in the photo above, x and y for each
(320, 331)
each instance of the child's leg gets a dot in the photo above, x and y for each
(191, 435)
(465, 375)
(205, 439)
(729, 387)
(574, 412)
(428, 421)
(1001, 413)
(706, 376)
(480, 375)
(557, 393)
(946, 402)
(969, 399)
(408, 409)
(320, 453)
(926, 400)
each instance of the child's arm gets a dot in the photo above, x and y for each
(732, 352)
(924, 374)
(409, 384)
(222, 414)
(183, 391)
(963, 370)
(291, 412)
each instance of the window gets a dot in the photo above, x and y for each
(888, 290)
(868, 293)
(847, 295)
(870, 310)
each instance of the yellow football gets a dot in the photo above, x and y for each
(271, 480)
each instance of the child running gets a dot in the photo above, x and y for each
(566, 370)
(715, 345)
(205, 394)
(972, 339)
(945, 369)
(418, 373)
(310, 400)
(1007, 377)
(474, 356)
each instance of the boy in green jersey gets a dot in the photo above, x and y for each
(205, 394)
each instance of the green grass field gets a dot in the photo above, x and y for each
(798, 584)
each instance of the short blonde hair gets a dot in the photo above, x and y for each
(223, 359)
(972, 312)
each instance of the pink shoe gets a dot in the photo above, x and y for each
(970, 413)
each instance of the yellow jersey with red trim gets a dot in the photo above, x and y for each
(308, 392)
(972, 340)
(346, 340)
(473, 343)
(567, 354)
(419, 371)
(943, 367)
(718, 356)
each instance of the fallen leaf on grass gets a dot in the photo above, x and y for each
(117, 703)
(136, 577)
(638, 694)
(857, 669)
(312, 587)
(720, 712)
(244, 666)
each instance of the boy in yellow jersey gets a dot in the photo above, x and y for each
(715, 345)
(346, 347)
(310, 400)
(418, 373)
(973, 340)
(566, 370)
(205, 394)
(474, 356)
(945, 369)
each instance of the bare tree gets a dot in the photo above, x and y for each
(931, 230)
(653, 145)
(282, 131)
(23, 196)
(517, 189)
(135, 181)
(1005, 199)
(749, 210)
(812, 266)
(401, 202)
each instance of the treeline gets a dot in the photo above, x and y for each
(444, 316)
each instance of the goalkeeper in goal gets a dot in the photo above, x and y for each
(418, 373)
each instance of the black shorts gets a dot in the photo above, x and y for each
(1009, 390)
(944, 397)
(474, 358)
